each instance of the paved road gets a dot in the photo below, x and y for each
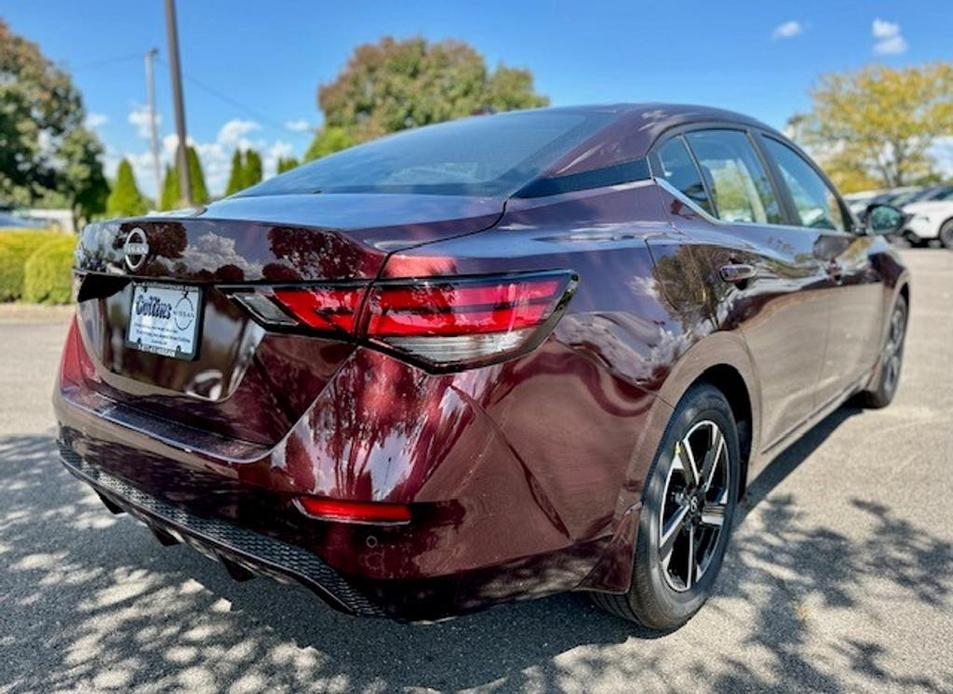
(840, 577)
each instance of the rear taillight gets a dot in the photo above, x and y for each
(325, 309)
(444, 323)
(441, 323)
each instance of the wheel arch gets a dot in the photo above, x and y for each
(722, 359)
(905, 291)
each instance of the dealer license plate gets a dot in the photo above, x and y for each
(164, 319)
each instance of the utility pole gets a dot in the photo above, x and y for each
(182, 157)
(151, 99)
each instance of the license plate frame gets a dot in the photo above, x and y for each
(165, 319)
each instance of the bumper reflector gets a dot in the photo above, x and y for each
(353, 511)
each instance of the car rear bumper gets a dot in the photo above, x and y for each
(237, 548)
(488, 462)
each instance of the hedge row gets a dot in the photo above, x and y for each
(36, 266)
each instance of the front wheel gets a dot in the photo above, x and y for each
(891, 359)
(687, 511)
(946, 234)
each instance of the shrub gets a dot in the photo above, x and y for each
(48, 274)
(16, 247)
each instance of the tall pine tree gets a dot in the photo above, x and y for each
(287, 164)
(236, 178)
(171, 191)
(252, 168)
(169, 200)
(125, 200)
(196, 177)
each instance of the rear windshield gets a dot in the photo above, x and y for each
(482, 155)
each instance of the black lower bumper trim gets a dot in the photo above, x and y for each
(243, 547)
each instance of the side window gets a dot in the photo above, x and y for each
(676, 166)
(815, 202)
(740, 186)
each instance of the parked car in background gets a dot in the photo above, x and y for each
(857, 202)
(896, 197)
(931, 218)
(486, 360)
(11, 220)
(941, 192)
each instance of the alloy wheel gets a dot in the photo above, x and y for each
(694, 505)
(893, 349)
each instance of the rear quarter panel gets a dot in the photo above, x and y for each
(581, 413)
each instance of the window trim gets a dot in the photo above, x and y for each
(655, 162)
(754, 134)
(680, 131)
(851, 226)
(785, 216)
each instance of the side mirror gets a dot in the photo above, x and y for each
(884, 219)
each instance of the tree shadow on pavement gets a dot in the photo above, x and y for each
(89, 601)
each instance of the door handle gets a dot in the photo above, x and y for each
(737, 273)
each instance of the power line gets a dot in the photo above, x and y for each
(232, 102)
(105, 62)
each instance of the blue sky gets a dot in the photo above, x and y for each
(267, 58)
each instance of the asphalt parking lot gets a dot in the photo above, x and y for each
(840, 577)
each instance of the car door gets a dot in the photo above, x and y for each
(736, 218)
(856, 294)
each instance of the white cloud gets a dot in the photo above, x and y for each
(298, 126)
(787, 30)
(96, 120)
(139, 117)
(277, 150)
(234, 131)
(889, 40)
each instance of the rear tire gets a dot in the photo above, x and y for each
(891, 359)
(694, 477)
(946, 234)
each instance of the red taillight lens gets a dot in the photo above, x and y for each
(459, 309)
(442, 323)
(354, 511)
(323, 308)
(446, 323)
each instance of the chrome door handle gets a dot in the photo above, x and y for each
(736, 273)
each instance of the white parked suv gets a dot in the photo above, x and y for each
(931, 219)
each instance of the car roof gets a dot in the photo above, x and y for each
(635, 129)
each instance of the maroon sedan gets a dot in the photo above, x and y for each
(487, 360)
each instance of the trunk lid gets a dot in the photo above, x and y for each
(244, 382)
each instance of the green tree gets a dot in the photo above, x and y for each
(46, 155)
(328, 140)
(396, 84)
(236, 177)
(286, 164)
(196, 177)
(125, 200)
(80, 175)
(171, 197)
(878, 124)
(253, 170)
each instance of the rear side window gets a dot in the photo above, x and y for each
(817, 206)
(676, 166)
(739, 183)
